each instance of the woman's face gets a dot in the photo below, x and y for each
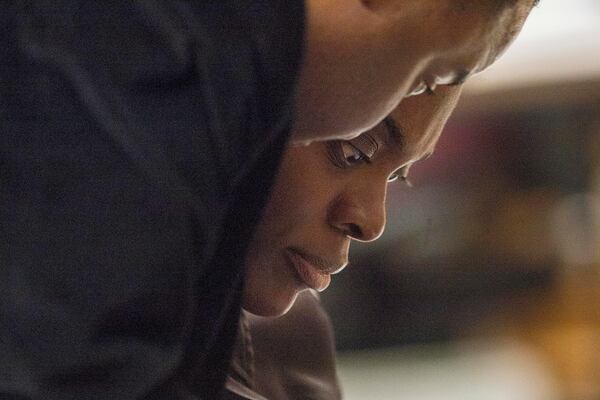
(330, 193)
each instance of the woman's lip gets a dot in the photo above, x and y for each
(309, 273)
(322, 264)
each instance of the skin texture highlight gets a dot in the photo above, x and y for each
(328, 194)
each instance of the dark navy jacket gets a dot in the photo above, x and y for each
(138, 143)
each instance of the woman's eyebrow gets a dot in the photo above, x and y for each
(395, 134)
(394, 131)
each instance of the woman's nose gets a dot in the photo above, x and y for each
(359, 215)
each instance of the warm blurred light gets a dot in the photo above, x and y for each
(499, 239)
(484, 370)
(559, 43)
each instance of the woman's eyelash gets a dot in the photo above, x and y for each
(402, 176)
(429, 90)
(349, 153)
(336, 154)
(356, 155)
(404, 179)
(366, 144)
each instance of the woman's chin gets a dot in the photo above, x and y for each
(269, 306)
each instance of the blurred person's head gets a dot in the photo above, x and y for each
(328, 194)
(364, 56)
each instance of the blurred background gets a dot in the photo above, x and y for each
(486, 284)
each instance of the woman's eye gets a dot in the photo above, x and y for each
(355, 152)
(421, 88)
(424, 87)
(352, 155)
(344, 154)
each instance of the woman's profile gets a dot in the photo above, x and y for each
(326, 195)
